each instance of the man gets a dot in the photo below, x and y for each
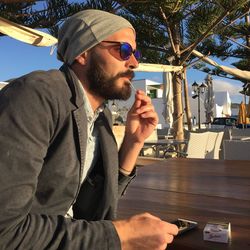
(61, 174)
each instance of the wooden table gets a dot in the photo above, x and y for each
(196, 189)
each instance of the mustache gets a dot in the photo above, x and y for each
(128, 73)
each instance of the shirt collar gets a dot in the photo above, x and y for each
(87, 105)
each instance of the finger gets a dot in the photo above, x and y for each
(169, 238)
(145, 108)
(143, 97)
(138, 101)
(150, 216)
(136, 105)
(173, 229)
(149, 115)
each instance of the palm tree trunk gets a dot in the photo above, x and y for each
(177, 88)
(178, 109)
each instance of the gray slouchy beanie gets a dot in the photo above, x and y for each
(86, 29)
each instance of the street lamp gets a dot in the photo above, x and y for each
(197, 90)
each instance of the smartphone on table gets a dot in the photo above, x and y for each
(185, 225)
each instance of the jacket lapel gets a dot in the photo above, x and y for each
(110, 165)
(80, 120)
(79, 114)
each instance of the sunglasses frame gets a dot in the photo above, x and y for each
(135, 52)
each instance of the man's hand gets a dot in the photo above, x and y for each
(141, 119)
(145, 232)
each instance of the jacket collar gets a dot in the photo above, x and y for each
(72, 80)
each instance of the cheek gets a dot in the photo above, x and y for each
(111, 70)
(109, 65)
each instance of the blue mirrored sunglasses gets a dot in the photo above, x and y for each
(126, 50)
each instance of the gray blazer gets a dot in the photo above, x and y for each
(42, 153)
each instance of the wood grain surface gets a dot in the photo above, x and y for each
(195, 189)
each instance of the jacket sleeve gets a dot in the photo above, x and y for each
(123, 180)
(27, 121)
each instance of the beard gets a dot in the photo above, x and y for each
(106, 86)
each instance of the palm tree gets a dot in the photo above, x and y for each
(42, 14)
(172, 29)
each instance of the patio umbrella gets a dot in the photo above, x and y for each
(248, 108)
(242, 114)
(246, 92)
(168, 99)
(26, 34)
(209, 99)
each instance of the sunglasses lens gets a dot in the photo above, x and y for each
(126, 51)
(137, 55)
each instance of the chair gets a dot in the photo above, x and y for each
(197, 143)
(236, 150)
(205, 145)
(226, 136)
(213, 146)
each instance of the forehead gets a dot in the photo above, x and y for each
(123, 35)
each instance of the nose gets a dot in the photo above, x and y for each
(132, 62)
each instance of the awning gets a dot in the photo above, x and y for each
(25, 34)
(150, 67)
(243, 74)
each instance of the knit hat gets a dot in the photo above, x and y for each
(86, 29)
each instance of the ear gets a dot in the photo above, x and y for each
(82, 59)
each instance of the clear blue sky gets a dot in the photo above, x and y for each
(18, 58)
